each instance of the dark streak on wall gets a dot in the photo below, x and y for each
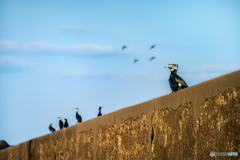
(183, 125)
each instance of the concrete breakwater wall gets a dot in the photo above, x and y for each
(188, 124)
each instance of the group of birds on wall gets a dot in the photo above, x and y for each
(175, 81)
(137, 60)
(65, 124)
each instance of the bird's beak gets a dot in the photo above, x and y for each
(168, 68)
(171, 65)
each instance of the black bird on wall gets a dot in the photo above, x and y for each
(78, 117)
(66, 123)
(99, 114)
(60, 123)
(181, 83)
(51, 128)
(172, 83)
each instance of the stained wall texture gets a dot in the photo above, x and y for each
(188, 125)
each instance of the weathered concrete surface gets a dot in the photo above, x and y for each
(188, 124)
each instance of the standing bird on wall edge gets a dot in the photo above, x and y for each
(51, 128)
(99, 114)
(60, 123)
(65, 123)
(78, 117)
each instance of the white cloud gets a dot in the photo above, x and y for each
(91, 49)
(75, 29)
(124, 75)
(87, 73)
(12, 61)
(7, 45)
(215, 67)
(74, 48)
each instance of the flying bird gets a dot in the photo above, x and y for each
(152, 46)
(172, 83)
(124, 47)
(99, 114)
(60, 123)
(152, 58)
(78, 117)
(135, 60)
(66, 123)
(51, 128)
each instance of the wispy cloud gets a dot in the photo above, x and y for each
(214, 68)
(96, 49)
(7, 45)
(75, 29)
(87, 74)
(12, 61)
(123, 75)
(75, 48)
(206, 72)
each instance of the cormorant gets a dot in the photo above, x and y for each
(3, 144)
(60, 123)
(153, 46)
(181, 83)
(66, 123)
(152, 58)
(172, 83)
(51, 128)
(78, 117)
(124, 47)
(135, 60)
(99, 114)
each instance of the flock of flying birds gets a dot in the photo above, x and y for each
(175, 81)
(136, 60)
(65, 125)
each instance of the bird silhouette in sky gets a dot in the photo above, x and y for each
(153, 46)
(135, 60)
(124, 47)
(152, 58)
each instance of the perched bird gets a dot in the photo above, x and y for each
(152, 46)
(99, 114)
(51, 128)
(181, 83)
(152, 58)
(135, 60)
(60, 123)
(172, 83)
(66, 123)
(124, 47)
(78, 117)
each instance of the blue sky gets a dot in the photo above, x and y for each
(58, 55)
